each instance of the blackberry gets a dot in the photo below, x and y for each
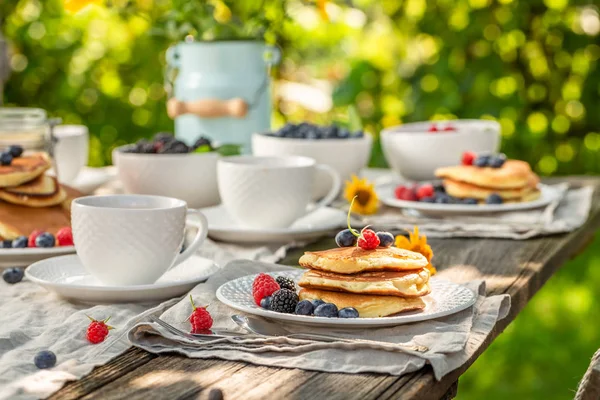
(202, 141)
(145, 147)
(163, 137)
(284, 301)
(174, 147)
(286, 283)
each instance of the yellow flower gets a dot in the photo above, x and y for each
(77, 5)
(367, 201)
(418, 244)
(222, 13)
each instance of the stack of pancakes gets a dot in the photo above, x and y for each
(30, 199)
(377, 283)
(513, 182)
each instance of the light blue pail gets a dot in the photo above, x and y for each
(221, 71)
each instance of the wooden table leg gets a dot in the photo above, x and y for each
(451, 393)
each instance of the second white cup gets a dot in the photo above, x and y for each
(70, 151)
(271, 192)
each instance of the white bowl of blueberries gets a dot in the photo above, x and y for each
(346, 152)
(416, 150)
(165, 166)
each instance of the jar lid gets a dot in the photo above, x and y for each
(21, 118)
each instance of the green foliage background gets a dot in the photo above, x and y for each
(530, 64)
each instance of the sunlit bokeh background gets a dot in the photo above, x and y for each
(530, 64)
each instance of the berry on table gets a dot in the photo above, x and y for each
(64, 236)
(200, 318)
(6, 244)
(328, 310)
(32, 237)
(97, 330)
(13, 275)
(433, 128)
(266, 303)
(285, 283)
(468, 157)
(284, 301)
(482, 161)
(386, 239)
(348, 312)
(45, 359)
(368, 239)
(264, 285)
(20, 242)
(6, 158)
(305, 307)
(45, 239)
(425, 190)
(449, 128)
(497, 161)
(317, 302)
(15, 151)
(494, 198)
(346, 238)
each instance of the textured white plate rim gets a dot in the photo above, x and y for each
(385, 193)
(32, 270)
(31, 251)
(344, 322)
(330, 224)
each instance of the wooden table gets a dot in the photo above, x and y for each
(519, 268)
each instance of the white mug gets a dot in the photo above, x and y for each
(271, 192)
(70, 151)
(133, 239)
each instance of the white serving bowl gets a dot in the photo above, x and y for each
(414, 153)
(345, 156)
(190, 177)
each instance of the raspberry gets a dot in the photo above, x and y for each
(64, 236)
(405, 193)
(468, 157)
(433, 128)
(97, 330)
(425, 190)
(33, 236)
(264, 285)
(368, 239)
(449, 128)
(200, 319)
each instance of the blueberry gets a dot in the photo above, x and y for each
(439, 188)
(130, 148)
(430, 199)
(328, 310)
(145, 147)
(45, 240)
(343, 133)
(482, 161)
(345, 238)
(470, 201)
(13, 275)
(6, 244)
(5, 158)
(348, 312)
(386, 239)
(305, 307)
(316, 303)
(494, 199)
(174, 147)
(45, 359)
(330, 132)
(497, 161)
(359, 134)
(15, 151)
(20, 242)
(266, 303)
(442, 198)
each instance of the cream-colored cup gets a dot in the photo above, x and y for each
(133, 239)
(271, 192)
(71, 150)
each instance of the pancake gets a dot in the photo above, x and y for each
(42, 185)
(513, 174)
(41, 192)
(464, 190)
(23, 169)
(386, 283)
(368, 306)
(352, 260)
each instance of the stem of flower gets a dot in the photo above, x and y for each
(352, 231)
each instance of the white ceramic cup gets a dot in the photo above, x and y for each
(70, 151)
(133, 239)
(271, 192)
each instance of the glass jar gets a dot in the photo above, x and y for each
(28, 127)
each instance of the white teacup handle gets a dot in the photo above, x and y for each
(202, 226)
(333, 192)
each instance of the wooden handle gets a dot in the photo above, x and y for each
(208, 108)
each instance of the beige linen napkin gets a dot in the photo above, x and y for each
(451, 340)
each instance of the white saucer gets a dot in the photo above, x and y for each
(387, 197)
(22, 257)
(67, 277)
(89, 179)
(221, 226)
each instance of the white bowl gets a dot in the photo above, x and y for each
(414, 153)
(190, 177)
(345, 156)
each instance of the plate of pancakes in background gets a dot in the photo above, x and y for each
(472, 189)
(31, 200)
(387, 286)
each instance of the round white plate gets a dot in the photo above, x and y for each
(23, 257)
(387, 197)
(445, 298)
(221, 226)
(67, 277)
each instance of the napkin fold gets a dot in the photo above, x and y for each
(451, 340)
(565, 214)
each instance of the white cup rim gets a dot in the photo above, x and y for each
(257, 162)
(71, 130)
(88, 202)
